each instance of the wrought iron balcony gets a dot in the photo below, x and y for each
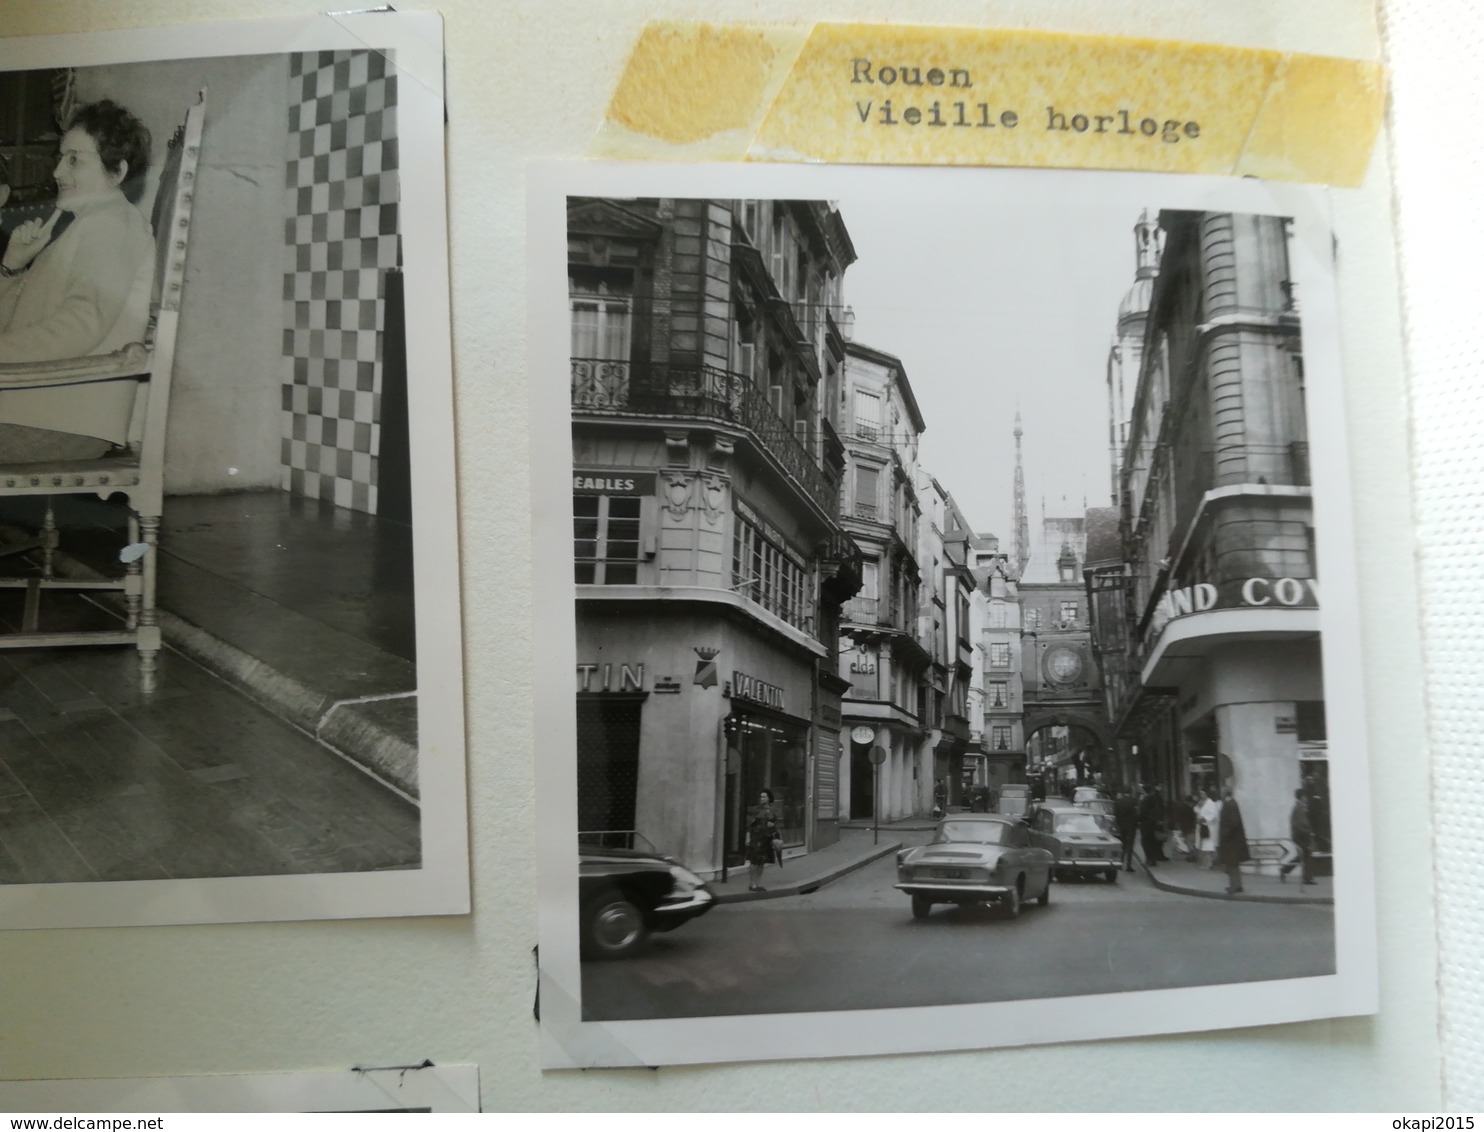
(703, 392)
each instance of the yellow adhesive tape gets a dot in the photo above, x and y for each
(897, 94)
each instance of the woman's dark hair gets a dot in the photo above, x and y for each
(769, 793)
(120, 138)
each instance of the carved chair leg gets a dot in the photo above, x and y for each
(149, 621)
(49, 540)
(134, 571)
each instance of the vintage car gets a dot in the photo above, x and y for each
(1082, 841)
(1087, 793)
(976, 859)
(1103, 807)
(626, 894)
(1014, 799)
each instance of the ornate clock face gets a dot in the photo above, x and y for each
(1063, 665)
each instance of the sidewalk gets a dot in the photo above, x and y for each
(1179, 875)
(803, 874)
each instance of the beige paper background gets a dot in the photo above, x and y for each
(532, 78)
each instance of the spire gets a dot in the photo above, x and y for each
(1022, 524)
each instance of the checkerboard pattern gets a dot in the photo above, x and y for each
(342, 237)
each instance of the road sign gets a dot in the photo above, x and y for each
(863, 735)
(878, 754)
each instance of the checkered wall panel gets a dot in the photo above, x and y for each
(342, 237)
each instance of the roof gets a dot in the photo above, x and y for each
(881, 357)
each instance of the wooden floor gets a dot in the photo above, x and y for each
(99, 783)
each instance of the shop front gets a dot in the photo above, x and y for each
(685, 714)
(767, 750)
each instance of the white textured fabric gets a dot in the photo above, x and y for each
(1434, 47)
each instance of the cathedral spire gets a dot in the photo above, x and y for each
(1022, 523)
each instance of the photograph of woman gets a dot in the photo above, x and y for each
(77, 282)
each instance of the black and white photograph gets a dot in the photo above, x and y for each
(229, 624)
(941, 662)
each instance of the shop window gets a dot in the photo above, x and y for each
(607, 768)
(605, 539)
(766, 753)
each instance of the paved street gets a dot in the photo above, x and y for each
(853, 945)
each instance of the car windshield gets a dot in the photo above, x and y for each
(984, 832)
(1078, 823)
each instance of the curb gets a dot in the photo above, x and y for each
(341, 726)
(1239, 897)
(807, 886)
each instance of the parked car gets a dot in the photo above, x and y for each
(627, 894)
(976, 859)
(1087, 793)
(1082, 841)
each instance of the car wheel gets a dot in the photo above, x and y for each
(1012, 901)
(922, 907)
(1045, 897)
(613, 926)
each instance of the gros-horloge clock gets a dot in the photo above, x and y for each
(1063, 665)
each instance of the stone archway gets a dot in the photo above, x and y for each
(1072, 718)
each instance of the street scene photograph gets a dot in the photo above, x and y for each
(947, 600)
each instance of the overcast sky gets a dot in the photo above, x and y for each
(986, 305)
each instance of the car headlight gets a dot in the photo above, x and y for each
(685, 880)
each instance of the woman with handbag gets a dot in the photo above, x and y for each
(762, 833)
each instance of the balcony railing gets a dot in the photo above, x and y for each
(699, 391)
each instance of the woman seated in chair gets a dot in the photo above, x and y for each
(76, 284)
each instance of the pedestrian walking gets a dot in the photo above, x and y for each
(1152, 825)
(1301, 831)
(1184, 835)
(1126, 822)
(940, 798)
(762, 833)
(1208, 819)
(1231, 844)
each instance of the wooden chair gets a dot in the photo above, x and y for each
(136, 379)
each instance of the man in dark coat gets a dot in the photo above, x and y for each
(1126, 822)
(1301, 830)
(1231, 846)
(1152, 824)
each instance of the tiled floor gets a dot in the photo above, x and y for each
(99, 783)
